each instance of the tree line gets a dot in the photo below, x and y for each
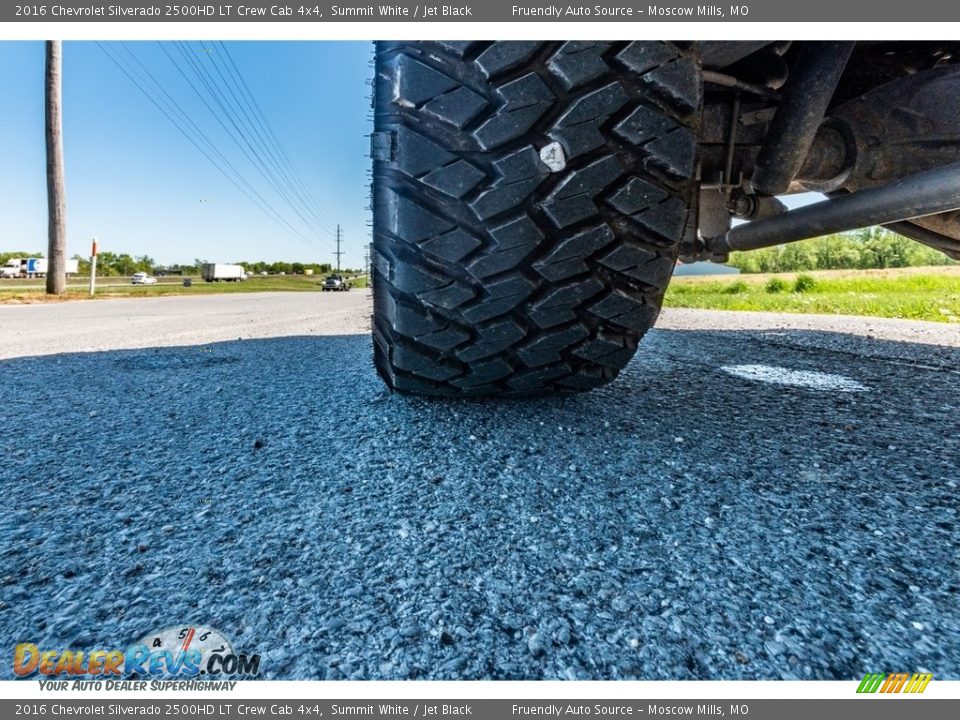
(124, 264)
(255, 267)
(867, 249)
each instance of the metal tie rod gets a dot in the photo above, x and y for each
(927, 193)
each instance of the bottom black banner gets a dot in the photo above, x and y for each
(874, 708)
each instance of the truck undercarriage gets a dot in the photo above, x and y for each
(840, 118)
(531, 198)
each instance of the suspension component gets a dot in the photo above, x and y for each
(805, 100)
(926, 193)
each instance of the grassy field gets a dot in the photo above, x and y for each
(25, 291)
(912, 293)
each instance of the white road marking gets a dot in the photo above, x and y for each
(797, 378)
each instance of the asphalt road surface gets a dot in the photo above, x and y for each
(757, 496)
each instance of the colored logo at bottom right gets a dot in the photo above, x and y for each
(895, 683)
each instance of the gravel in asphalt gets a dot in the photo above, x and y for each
(682, 522)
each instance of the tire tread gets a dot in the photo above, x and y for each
(494, 273)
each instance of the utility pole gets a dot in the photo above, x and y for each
(339, 252)
(93, 267)
(56, 189)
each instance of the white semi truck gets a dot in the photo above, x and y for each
(215, 272)
(33, 268)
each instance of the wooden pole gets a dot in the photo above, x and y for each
(93, 267)
(56, 189)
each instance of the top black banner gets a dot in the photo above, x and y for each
(481, 11)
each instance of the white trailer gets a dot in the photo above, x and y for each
(215, 272)
(11, 268)
(34, 268)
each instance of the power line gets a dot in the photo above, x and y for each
(237, 134)
(261, 203)
(236, 121)
(273, 136)
(279, 178)
(251, 132)
(260, 131)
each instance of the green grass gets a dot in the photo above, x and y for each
(77, 288)
(776, 285)
(804, 283)
(912, 293)
(930, 295)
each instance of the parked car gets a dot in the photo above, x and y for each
(141, 278)
(335, 283)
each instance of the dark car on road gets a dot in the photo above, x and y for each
(335, 283)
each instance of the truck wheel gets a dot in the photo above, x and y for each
(529, 199)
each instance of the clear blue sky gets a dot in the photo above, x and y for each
(135, 182)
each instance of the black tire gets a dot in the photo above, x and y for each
(500, 265)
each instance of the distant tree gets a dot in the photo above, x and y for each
(125, 264)
(923, 255)
(883, 250)
(192, 268)
(106, 263)
(798, 256)
(144, 263)
(869, 248)
(83, 264)
(259, 266)
(836, 252)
